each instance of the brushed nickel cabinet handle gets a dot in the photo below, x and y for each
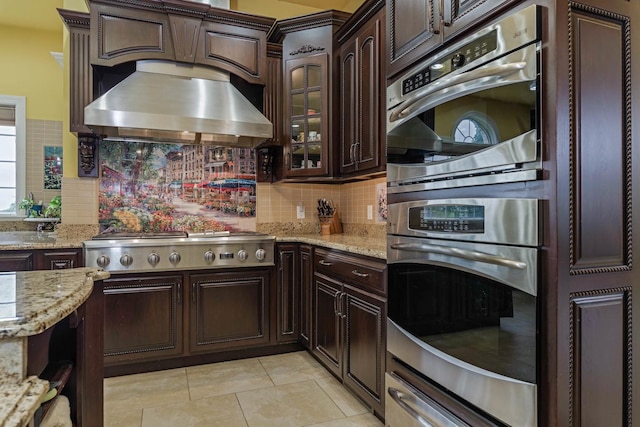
(323, 262)
(357, 273)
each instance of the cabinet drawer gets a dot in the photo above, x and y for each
(363, 272)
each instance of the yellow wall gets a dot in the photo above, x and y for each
(29, 70)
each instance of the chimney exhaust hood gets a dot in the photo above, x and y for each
(171, 102)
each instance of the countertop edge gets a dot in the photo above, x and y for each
(372, 247)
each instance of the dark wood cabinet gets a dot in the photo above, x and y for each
(228, 310)
(16, 261)
(41, 259)
(288, 292)
(197, 34)
(80, 70)
(418, 27)
(58, 259)
(71, 353)
(362, 89)
(349, 321)
(306, 295)
(143, 318)
(310, 103)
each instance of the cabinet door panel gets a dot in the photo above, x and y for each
(327, 324)
(368, 143)
(365, 346)
(16, 261)
(288, 289)
(58, 260)
(142, 319)
(229, 310)
(306, 296)
(461, 14)
(349, 101)
(414, 29)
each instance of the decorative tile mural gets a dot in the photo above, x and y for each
(146, 187)
(52, 168)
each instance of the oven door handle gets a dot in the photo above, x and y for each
(398, 397)
(460, 253)
(496, 72)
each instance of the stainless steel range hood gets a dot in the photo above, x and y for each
(177, 103)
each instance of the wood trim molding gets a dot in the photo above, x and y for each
(594, 264)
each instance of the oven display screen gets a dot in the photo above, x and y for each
(450, 63)
(447, 218)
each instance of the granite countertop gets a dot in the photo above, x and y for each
(363, 245)
(16, 240)
(32, 301)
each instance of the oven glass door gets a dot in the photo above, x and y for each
(474, 319)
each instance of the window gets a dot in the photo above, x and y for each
(12, 153)
(475, 128)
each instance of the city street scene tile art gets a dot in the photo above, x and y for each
(147, 187)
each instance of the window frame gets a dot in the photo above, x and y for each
(20, 105)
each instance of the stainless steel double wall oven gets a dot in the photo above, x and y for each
(463, 275)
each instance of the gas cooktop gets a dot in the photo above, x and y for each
(167, 251)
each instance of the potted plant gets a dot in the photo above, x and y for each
(26, 204)
(54, 208)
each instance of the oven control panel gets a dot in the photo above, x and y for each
(447, 218)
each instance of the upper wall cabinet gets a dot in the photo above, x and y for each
(416, 27)
(80, 72)
(182, 31)
(362, 85)
(311, 113)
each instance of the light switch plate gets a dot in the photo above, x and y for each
(369, 211)
(300, 211)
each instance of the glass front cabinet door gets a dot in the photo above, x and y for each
(306, 115)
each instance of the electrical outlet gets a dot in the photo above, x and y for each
(370, 212)
(300, 211)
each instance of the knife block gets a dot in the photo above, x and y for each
(330, 224)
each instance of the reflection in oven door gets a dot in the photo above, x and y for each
(468, 317)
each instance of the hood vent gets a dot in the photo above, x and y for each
(176, 103)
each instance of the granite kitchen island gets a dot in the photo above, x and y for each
(49, 317)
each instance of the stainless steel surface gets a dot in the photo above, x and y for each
(519, 66)
(507, 221)
(514, 31)
(511, 265)
(520, 152)
(203, 251)
(511, 401)
(170, 102)
(405, 406)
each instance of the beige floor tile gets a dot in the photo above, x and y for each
(346, 401)
(363, 420)
(145, 390)
(119, 418)
(226, 377)
(288, 405)
(293, 367)
(219, 411)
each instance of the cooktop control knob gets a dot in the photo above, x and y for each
(242, 255)
(103, 261)
(174, 258)
(260, 254)
(209, 257)
(153, 259)
(126, 260)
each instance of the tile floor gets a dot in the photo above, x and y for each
(284, 390)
